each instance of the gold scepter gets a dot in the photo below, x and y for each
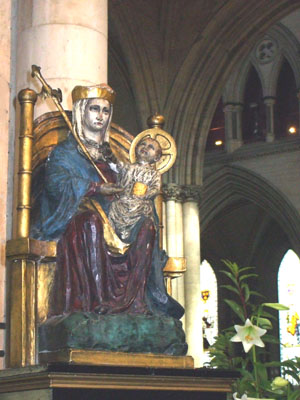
(56, 96)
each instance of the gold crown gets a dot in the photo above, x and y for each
(101, 91)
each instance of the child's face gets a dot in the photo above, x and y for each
(148, 151)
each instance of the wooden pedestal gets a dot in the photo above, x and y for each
(68, 382)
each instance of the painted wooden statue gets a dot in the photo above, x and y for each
(101, 212)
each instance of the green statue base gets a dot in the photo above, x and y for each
(121, 332)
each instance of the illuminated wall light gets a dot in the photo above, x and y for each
(292, 130)
(218, 142)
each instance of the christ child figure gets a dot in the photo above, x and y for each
(141, 183)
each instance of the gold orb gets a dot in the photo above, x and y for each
(156, 121)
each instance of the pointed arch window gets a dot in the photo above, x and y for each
(254, 109)
(287, 103)
(216, 134)
(288, 294)
(209, 305)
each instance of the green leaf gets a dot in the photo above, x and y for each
(243, 277)
(245, 269)
(264, 323)
(276, 306)
(232, 288)
(232, 266)
(254, 293)
(293, 375)
(294, 395)
(270, 339)
(265, 313)
(262, 371)
(230, 276)
(236, 308)
(246, 289)
(290, 364)
(273, 364)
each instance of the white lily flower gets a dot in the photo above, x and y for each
(249, 335)
(244, 397)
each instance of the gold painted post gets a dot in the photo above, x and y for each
(27, 99)
(22, 266)
(158, 121)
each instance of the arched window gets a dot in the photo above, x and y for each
(286, 106)
(209, 305)
(254, 109)
(288, 294)
(216, 135)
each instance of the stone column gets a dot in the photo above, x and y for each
(67, 39)
(269, 104)
(7, 139)
(233, 126)
(174, 232)
(239, 126)
(298, 95)
(191, 238)
(180, 252)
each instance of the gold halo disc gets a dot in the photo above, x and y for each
(167, 144)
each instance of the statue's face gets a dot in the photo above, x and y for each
(148, 151)
(96, 115)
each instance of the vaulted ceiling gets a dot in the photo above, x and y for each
(174, 57)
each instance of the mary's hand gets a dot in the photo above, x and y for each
(108, 189)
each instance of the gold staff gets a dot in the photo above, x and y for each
(56, 96)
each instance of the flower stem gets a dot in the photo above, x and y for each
(242, 297)
(255, 372)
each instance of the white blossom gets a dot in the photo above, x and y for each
(249, 335)
(244, 397)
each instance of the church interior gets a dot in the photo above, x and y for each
(225, 75)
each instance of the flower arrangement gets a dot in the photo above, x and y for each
(255, 331)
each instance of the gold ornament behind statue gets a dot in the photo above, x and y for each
(167, 144)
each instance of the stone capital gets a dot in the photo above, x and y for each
(233, 107)
(181, 193)
(269, 100)
(172, 191)
(191, 193)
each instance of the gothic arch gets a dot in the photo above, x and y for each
(235, 86)
(289, 50)
(188, 94)
(211, 76)
(232, 184)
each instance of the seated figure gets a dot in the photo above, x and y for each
(74, 210)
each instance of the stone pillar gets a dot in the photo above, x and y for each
(239, 126)
(269, 104)
(174, 233)
(191, 238)
(233, 126)
(7, 139)
(298, 95)
(67, 39)
(180, 252)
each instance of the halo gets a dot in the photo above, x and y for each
(167, 144)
